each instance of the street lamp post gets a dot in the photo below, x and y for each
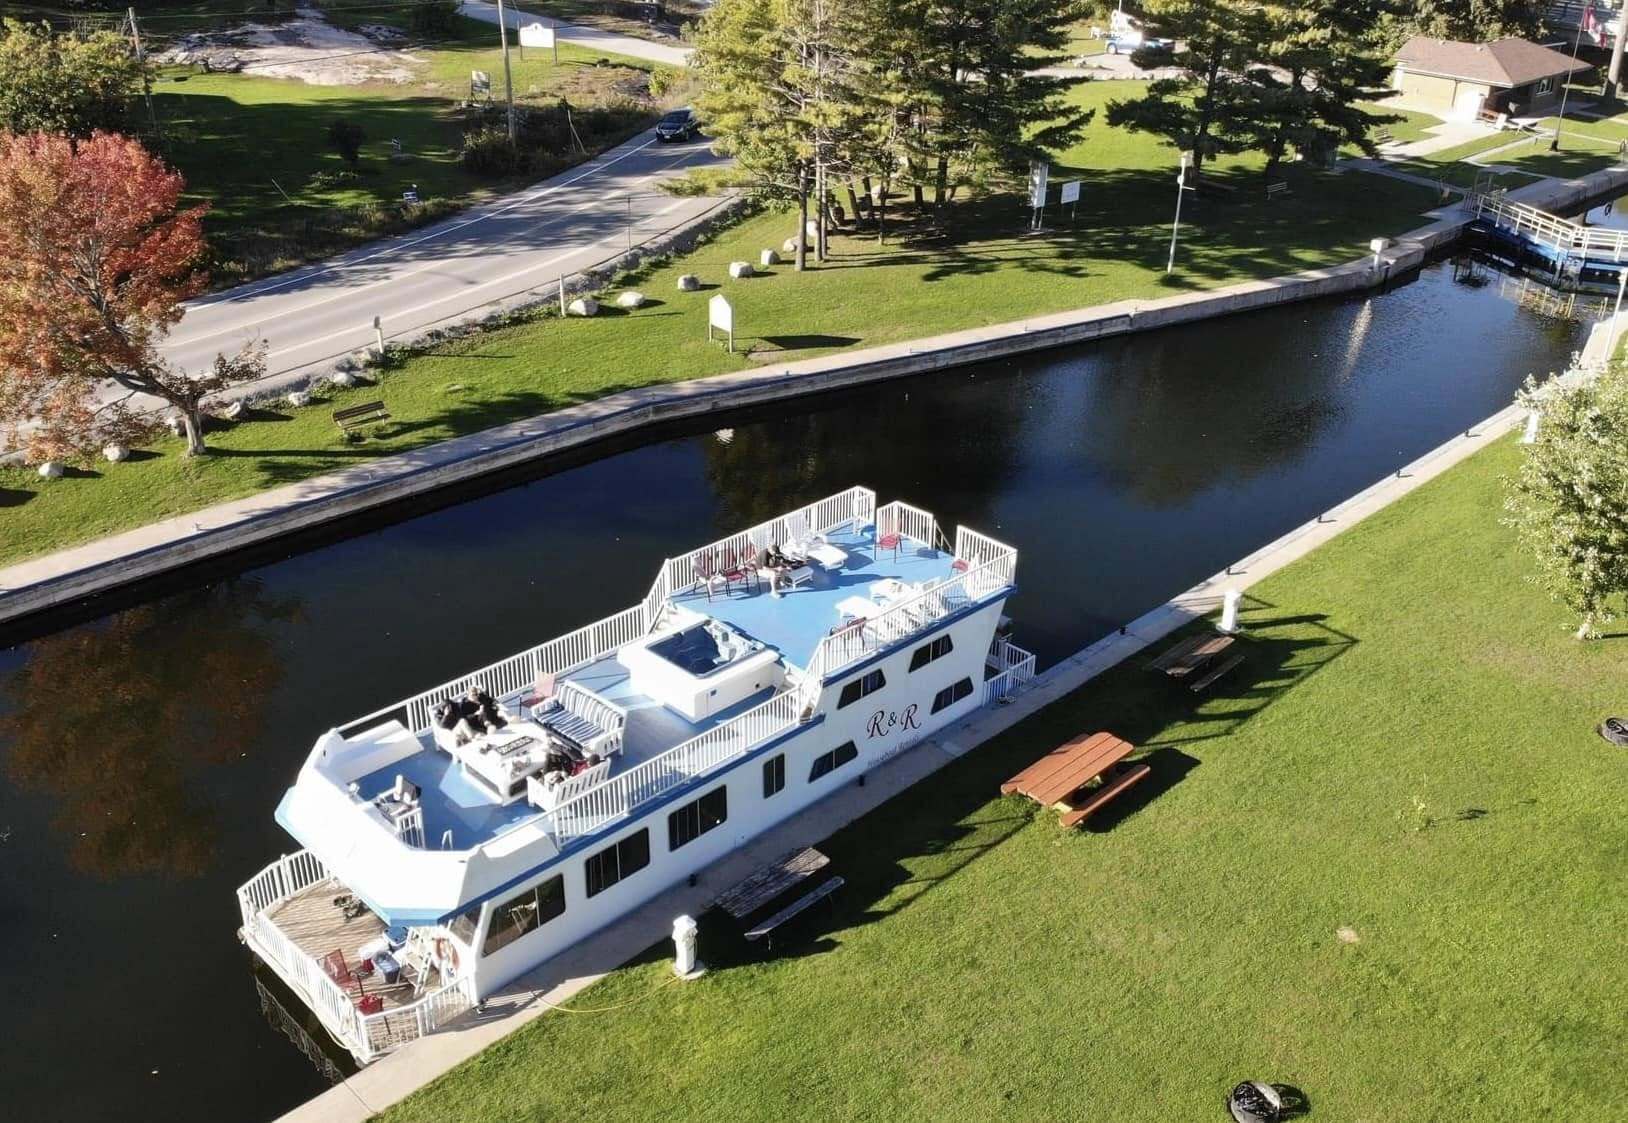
(1565, 88)
(1181, 186)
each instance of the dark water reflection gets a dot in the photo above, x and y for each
(142, 754)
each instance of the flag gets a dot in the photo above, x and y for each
(1591, 23)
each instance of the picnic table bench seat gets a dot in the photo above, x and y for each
(767, 883)
(819, 893)
(1115, 780)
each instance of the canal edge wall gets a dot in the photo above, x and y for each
(62, 578)
(556, 982)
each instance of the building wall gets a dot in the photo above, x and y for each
(1445, 97)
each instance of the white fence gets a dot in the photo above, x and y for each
(910, 522)
(622, 794)
(1519, 218)
(367, 1036)
(918, 613)
(1017, 668)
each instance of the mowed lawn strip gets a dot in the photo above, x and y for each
(987, 271)
(1382, 863)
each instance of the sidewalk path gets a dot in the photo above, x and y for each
(587, 38)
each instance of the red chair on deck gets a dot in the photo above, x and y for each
(734, 570)
(890, 541)
(706, 568)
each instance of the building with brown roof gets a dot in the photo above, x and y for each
(1461, 80)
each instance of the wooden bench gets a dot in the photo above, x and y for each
(1383, 136)
(819, 893)
(353, 418)
(1273, 190)
(1080, 776)
(1215, 673)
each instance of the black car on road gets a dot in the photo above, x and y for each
(680, 124)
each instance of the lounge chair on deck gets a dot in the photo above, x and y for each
(804, 543)
(585, 718)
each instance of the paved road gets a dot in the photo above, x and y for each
(504, 248)
(587, 38)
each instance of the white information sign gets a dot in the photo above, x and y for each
(1038, 171)
(536, 35)
(480, 83)
(721, 315)
(1071, 191)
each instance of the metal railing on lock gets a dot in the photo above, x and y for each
(1552, 230)
(1017, 668)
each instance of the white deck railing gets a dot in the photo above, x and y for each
(623, 794)
(367, 1036)
(1017, 668)
(1539, 225)
(918, 613)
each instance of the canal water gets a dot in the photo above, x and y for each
(141, 754)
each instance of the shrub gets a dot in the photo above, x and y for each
(345, 137)
(487, 152)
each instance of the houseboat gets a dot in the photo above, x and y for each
(459, 838)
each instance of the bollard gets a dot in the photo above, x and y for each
(1531, 434)
(1379, 246)
(1229, 611)
(378, 335)
(685, 963)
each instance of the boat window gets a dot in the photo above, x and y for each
(525, 912)
(774, 774)
(698, 817)
(464, 924)
(826, 763)
(859, 687)
(927, 652)
(950, 695)
(613, 863)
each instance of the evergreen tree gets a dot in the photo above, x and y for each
(1473, 21)
(1202, 111)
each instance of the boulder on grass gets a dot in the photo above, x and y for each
(115, 452)
(630, 299)
(812, 229)
(583, 306)
(298, 398)
(739, 269)
(175, 425)
(789, 246)
(231, 411)
(342, 378)
(689, 282)
(51, 470)
(768, 258)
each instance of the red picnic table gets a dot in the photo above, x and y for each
(1080, 776)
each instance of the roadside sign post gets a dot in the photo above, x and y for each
(1071, 196)
(1038, 172)
(480, 85)
(508, 76)
(721, 315)
(537, 35)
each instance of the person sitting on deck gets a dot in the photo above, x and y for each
(481, 711)
(449, 715)
(773, 565)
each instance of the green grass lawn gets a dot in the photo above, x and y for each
(1414, 125)
(866, 294)
(1586, 147)
(1383, 863)
(256, 149)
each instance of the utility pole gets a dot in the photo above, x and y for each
(1565, 89)
(141, 57)
(508, 78)
(1613, 75)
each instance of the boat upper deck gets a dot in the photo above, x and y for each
(795, 622)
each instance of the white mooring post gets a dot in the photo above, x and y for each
(1229, 611)
(1379, 246)
(1531, 434)
(378, 335)
(685, 963)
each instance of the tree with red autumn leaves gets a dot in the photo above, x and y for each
(96, 258)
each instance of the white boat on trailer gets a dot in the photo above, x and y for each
(441, 863)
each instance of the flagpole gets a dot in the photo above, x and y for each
(1565, 87)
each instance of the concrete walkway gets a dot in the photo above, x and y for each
(588, 38)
